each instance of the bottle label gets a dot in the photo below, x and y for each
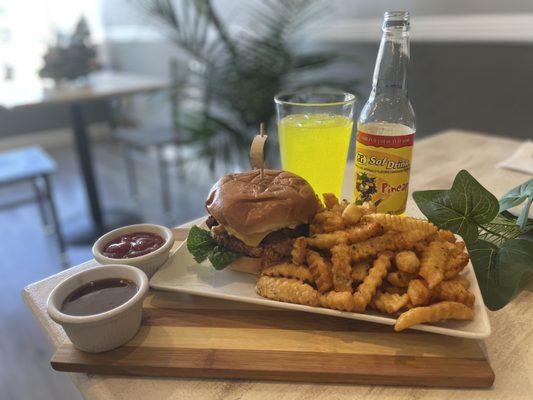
(382, 165)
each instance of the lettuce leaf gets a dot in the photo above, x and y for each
(202, 246)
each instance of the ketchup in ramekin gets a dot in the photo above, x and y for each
(133, 245)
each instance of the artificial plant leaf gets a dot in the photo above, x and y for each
(514, 265)
(436, 206)
(517, 196)
(468, 195)
(501, 228)
(529, 223)
(461, 209)
(501, 271)
(484, 255)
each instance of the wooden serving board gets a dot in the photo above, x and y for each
(189, 336)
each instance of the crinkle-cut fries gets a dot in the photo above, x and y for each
(357, 259)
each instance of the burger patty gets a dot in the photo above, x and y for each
(275, 247)
(269, 253)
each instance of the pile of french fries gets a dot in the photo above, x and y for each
(356, 259)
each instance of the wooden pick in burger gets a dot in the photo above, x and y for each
(257, 156)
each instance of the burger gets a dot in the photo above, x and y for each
(254, 219)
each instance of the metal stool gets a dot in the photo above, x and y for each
(33, 164)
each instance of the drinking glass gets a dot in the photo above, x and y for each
(314, 129)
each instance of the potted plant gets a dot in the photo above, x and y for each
(71, 60)
(237, 74)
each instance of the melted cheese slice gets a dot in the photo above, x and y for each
(254, 239)
(251, 240)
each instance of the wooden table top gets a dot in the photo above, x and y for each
(437, 160)
(27, 93)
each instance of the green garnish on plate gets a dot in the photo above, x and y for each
(202, 246)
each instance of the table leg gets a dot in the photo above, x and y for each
(81, 229)
(83, 148)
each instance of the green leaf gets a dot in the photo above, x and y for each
(202, 246)
(517, 196)
(501, 228)
(220, 258)
(461, 209)
(501, 271)
(501, 255)
(483, 255)
(200, 243)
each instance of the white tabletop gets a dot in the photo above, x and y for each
(510, 347)
(99, 85)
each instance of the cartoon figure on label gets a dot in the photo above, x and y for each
(367, 186)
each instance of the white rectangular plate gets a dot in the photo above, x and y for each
(182, 274)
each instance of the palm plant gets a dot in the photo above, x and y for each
(239, 74)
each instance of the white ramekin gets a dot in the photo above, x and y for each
(107, 330)
(150, 262)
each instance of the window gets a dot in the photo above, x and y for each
(28, 27)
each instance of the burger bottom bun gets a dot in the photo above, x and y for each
(249, 265)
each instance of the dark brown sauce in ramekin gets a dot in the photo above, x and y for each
(98, 296)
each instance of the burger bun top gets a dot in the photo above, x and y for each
(249, 203)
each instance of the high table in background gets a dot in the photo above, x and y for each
(436, 161)
(99, 86)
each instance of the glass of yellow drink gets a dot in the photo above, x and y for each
(314, 129)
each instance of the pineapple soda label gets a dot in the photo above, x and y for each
(383, 154)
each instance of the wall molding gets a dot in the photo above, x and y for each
(442, 28)
(510, 28)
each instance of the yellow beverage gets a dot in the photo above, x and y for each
(315, 146)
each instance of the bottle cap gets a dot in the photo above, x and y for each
(396, 20)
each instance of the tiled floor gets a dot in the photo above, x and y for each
(27, 255)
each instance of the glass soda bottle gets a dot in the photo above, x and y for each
(386, 126)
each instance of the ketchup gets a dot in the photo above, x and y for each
(133, 245)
